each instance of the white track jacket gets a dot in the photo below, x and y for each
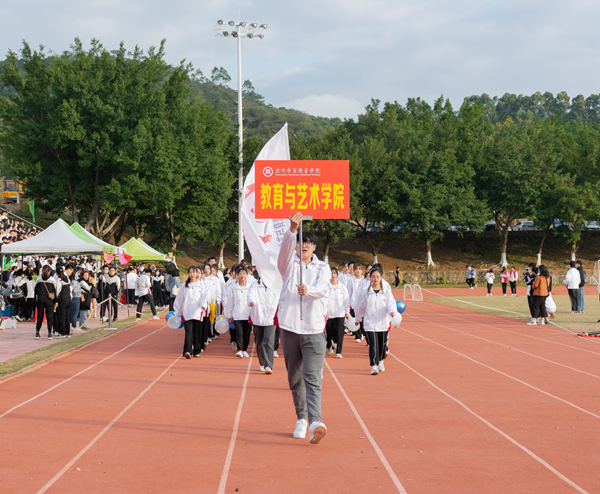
(573, 279)
(265, 304)
(192, 301)
(236, 306)
(316, 276)
(374, 309)
(339, 301)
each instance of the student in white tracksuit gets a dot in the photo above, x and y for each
(354, 284)
(191, 303)
(237, 310)
(263, 305)
(374, 308)
(338, 309)
(302, 336)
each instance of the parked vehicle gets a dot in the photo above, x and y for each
(524, 226)
(592, 226)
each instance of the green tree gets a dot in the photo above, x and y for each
(114, 139)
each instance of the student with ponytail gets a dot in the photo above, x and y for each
(238, 311)
(375, 307)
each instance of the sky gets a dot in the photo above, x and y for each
(331, 57)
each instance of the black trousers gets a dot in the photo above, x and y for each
(171, 302)
(145, 298)
(335, 332)
(470, 282)
(277, 337)
(157, 294)
(243, 329)
(513, 287)
(539, 306)
(574, 296)
(130, 296)
(377, 342)
(63, 316)
(114, 308)
(490, 285)
(193, 337)
(206, 329)
(48, 306)
(504, 288)
(530, 302)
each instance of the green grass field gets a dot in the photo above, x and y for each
(27, 359)
(517, 308)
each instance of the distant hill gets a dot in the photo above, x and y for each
(260, 119)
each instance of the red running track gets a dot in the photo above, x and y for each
(469, 403)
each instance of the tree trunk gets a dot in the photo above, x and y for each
(120, 230)
(326, 251)
(221, 250)
(430, 263)
(539, 256)
(504, 238)
(574, 251)
(174, 241)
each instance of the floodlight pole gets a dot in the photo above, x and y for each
(240, 31)
(240, 153)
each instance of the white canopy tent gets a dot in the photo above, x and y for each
(58, 238)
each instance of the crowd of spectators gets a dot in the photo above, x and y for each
(12, 230)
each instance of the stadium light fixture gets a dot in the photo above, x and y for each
(243, 31)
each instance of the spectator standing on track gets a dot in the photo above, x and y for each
(263, 306)
(468, 277)
(528, 277)
(581, 294)
(489, 277)
(85, 299)
(238, 311)
(338, 309)
(130, 283)
(374, 308)
(45, 291)
(353, 291)
(541, 290)
(143, 293)
(301, 317)
(572, 281)
(513, 276)
(473, 277)
(191, 302)
(397, 276)
(504, 280)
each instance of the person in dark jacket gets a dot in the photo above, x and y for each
(65, 306)
(45, 294)
(86, 298)
(581, 299)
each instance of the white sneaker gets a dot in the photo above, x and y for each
(275, 354)
(329, 351)
(374, 370)
(317, 431)
(381, 366)
(240, 354)
(209, 340)
(268, 370)
(300, 431)
(532, 323)
(138, 319)
(245, 354)
(261, 369)
(233, 345)
(541, 322)
(334, 346)
(339, 355)
(155, 317)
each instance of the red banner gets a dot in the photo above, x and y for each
(320, 189)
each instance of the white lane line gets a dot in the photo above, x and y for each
(509, 311)
(503, 434)
(509, 347)
(502, 373)
(368, 435)
(76, 375)
(103, 431)
(236, 423)
(498, 328)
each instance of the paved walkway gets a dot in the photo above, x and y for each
(14, 342)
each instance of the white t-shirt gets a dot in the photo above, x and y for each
(131, 280)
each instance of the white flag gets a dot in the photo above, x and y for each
(264, 236)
